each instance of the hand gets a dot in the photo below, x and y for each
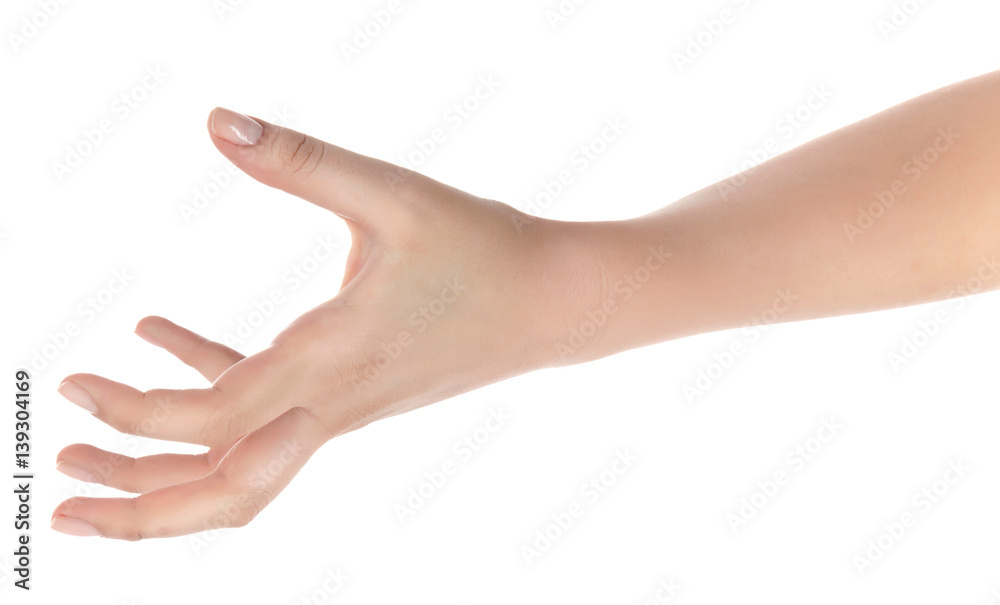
(443, 292)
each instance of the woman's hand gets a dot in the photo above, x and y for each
(443, 292)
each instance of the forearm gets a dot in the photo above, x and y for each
(897, 209)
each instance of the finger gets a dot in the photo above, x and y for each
(210, 358)
(245, 397)
(346, 183)
(248, 478)
(137, 475)
(175, 415)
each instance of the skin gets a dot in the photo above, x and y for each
(445, 292)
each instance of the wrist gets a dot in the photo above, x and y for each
(608, 279)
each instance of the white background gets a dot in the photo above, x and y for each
(665, 519)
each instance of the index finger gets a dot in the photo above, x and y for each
(248, 395)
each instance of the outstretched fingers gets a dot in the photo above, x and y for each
(148, 473)
(246, 480)
(247, 396)
(172, 414)
(137, 475)
(208, 357)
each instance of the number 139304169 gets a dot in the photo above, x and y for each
(22, 479)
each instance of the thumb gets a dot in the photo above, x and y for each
(346, 183)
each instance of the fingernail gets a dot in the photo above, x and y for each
(76, 394)
(71, 470)
(73, 527)
(148, 338)
(234, 127)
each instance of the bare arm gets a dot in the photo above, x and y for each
(445, 292)
(898, 209)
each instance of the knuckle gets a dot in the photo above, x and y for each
(124, 477)
(225, 425)
(134, 532)
(129, 485)
(300, 153)
(125, 422)
(142, 421)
